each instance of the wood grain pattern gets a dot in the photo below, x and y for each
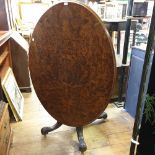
(5, 131)
(72, 64)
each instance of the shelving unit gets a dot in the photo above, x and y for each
(6, 61)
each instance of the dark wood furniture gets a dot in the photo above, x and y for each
(119, 25)
(6, 52)
(7, 56)
(14, 52)
(5, 129)
(72, 66)
(19, 54)
(16, 46)
(5, 63)
(115, 95)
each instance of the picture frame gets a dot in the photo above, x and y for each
(13, 95)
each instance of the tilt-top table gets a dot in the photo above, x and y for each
(72, 66)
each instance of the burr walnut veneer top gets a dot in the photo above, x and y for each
(72, 63)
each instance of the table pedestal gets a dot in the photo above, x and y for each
(79, 130)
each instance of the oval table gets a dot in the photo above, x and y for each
(72, 65)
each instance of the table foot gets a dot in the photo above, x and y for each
(46, 130)
(82, 144)
(103, 116)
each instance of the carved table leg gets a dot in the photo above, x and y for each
(82, 144)
(46, 130)
(103, 115)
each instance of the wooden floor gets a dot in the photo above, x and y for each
(110, 137)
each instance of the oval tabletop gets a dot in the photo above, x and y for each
(72, 63)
